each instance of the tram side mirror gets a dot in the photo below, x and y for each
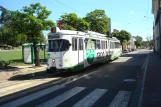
(68, 44)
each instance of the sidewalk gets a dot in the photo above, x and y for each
(19, 70)
(152, 86)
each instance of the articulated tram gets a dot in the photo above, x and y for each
(76, 50)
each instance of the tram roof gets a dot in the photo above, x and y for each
(83, 33)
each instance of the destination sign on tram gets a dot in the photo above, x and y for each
(53, 36)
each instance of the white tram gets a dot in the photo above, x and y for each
(75, 50)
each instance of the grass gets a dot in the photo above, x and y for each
(16, 57)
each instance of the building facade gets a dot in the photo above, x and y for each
(156, 10)
(131, 44)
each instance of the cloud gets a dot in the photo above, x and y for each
(132, 12)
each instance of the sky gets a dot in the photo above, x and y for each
(132, 15)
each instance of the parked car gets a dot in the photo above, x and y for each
(125, 51)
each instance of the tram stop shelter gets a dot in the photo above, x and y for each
(28, 52)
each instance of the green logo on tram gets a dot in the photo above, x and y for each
(90, 53)
(90, 56)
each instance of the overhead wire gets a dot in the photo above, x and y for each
(68, 7)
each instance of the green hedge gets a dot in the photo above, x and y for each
(4, 64)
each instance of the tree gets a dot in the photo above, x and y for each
(72, 22)
(138, 44)
(138, 38)
(123, 36)
(11, 37)
(98, 21)
(31, 21)
(151, 44)
(139, 41)
(3, 16)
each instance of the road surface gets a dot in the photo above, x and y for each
(108, 85)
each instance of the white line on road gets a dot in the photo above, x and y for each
(129, 80)
(90, 99)
(143, 81)
(121, 99)
(31, 97)
(61, 98)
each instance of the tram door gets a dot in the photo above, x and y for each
(80, 52)
(75, 50)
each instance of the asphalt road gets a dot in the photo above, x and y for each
(108, 85)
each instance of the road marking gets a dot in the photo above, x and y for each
(143, 81)
(34, 96)
(14, 87)
(129, 80)
(61, 98)
(91, 98)
(121, 99)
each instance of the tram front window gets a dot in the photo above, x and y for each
(58, 45)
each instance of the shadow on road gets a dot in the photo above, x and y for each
(44, 74)
(117, 64)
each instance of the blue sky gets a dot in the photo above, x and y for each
(125, 14)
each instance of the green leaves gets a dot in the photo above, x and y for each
(98, 21)
(123, 36)
(30, 21)
(72, 22)
(139, 41)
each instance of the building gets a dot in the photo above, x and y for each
(115, 30)
(156, 10)
(131, 44)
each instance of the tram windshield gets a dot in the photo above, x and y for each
(58, 45)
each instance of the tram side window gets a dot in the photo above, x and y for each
(110, 45)
(80, 44)
(74, 44)
(117, 45)
(106, 44)
(97, 44)
(90, 44)
(102, 43)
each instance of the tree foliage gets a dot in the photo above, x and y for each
(138, 38)
(123, 36)
(31, 20)
(98, 21)
(138, 44)
(139, 41)
(72, 22)
(3, 16)
(11, 37)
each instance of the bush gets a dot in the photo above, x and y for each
(4, 64)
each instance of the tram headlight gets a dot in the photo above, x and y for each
(53, 60)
